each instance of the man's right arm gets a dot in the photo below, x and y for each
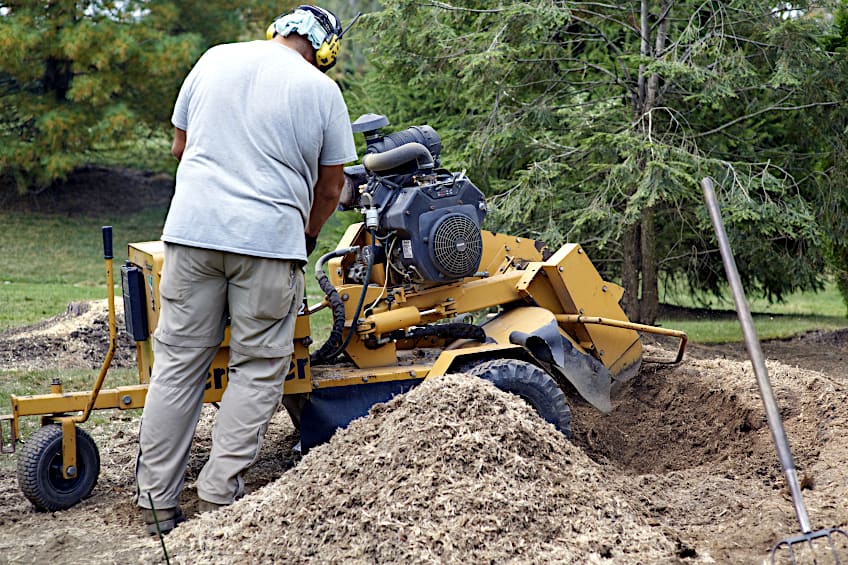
(325, 198)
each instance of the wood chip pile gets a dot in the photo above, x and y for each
(454, 471)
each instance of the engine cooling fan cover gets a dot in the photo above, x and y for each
(456, 245)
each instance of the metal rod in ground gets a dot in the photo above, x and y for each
(755, 352)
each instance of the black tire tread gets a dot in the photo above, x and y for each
(525, 380)
(36, 452)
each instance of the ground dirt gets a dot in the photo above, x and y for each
(683, 470)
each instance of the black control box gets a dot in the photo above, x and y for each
(135, 311)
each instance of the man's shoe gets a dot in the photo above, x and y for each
(206, 506)
(168, 519)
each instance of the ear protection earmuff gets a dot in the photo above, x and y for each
(327, 53)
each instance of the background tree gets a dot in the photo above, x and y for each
(80, 77)
(833, 209)
(595, 121)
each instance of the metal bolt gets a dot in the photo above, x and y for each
(601, 352)
(561, 269)
(364, 379)
(579, 250)
(413, 374)
(71, 471)
(126, 399)
(604, 288)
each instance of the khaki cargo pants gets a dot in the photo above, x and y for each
(198, 288)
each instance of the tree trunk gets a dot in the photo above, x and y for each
(630, 268)
(650, 300)
(57, 77)
(641, 299)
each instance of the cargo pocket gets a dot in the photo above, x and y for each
(171, 285)
(270, 295)
(169, 288)
(172, 297)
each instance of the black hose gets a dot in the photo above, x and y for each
(388, 160)
(328, 354)
(355, 321)
(336, 305)
(454, 330)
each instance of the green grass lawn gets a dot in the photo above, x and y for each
(49, 260)
(766, 325)
(798, 312)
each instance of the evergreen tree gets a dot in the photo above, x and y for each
(595, 122)
(76, 77)
(833, 210)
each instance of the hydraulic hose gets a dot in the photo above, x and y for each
(453, 331)
(330, 355)
(334, 341)
(361, 295)
(334, 346)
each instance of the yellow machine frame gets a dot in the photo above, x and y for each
(563, 287)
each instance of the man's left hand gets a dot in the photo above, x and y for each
(311, 242)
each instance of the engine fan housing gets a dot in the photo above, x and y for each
(456, 245)
(437, 229)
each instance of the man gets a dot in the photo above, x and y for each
(262, 136)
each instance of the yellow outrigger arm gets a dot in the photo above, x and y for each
(583, 319)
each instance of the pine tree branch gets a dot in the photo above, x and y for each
(769, 109)
(450, 7)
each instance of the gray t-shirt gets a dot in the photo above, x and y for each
(259, 119)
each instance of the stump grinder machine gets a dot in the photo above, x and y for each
(417, 290)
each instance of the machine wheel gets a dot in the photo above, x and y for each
(40, 469)
(532, 384)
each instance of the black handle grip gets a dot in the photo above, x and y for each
(107, 242)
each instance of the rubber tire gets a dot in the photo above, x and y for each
(40, 469)
(532, 384)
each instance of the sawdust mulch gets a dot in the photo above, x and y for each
(454, 471)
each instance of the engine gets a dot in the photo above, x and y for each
(426, 218)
